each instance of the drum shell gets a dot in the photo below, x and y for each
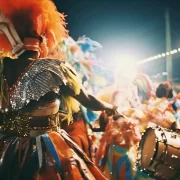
(159, 153)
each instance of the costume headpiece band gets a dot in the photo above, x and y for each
(8, 29)
(32, 44)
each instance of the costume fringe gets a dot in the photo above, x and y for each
(74, 83)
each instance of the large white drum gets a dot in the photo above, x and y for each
(159, 154)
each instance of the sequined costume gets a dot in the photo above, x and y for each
(35, 144)
(33, 89)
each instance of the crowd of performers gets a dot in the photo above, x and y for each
(142, 106)
(64, 117)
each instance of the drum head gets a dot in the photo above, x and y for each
(147, 147)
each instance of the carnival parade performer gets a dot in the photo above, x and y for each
(161, 108)
(158, 110)
(116, 155)
(33, 88)
(81, 55)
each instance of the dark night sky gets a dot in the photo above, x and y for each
(131, 26)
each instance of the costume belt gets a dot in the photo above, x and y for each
(21, 125)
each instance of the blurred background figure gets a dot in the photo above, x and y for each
(116, 155)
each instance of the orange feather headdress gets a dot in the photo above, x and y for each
(37, 22)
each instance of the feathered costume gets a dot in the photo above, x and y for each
(32, 145)
(156, 111)
(77, 53)
(144, 85)
(116, 155)
(81, 54)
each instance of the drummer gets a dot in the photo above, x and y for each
(160, 109)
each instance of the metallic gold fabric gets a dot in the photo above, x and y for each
(21, 125)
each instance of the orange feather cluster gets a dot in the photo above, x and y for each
(122, 132)
(34, 18)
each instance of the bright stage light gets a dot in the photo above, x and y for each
(175, 51)
(125, 68)
(159, 56)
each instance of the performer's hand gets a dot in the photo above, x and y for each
(114, 114)
(111, 112)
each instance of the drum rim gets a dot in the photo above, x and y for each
(139, 164)
(146, 170)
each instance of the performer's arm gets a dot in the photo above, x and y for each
(90, 101)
